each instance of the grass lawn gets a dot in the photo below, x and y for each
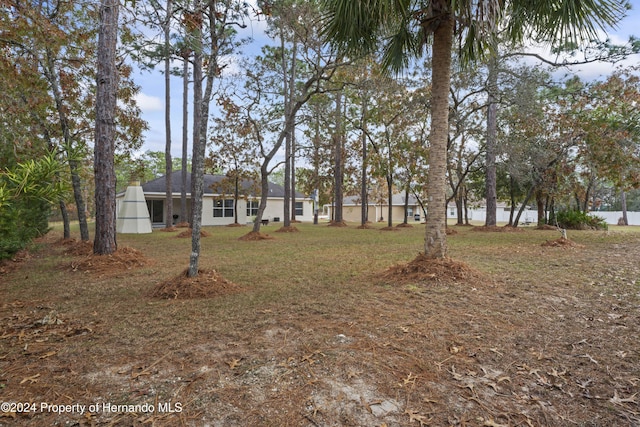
(316, 332)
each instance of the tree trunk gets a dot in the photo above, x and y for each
(435, 244)
(106, 99)
(264, 193)
(516, 221)
(292, 152)
(338, 171)
(197, 157)
(540, 207)
(492, 126)
(390, 199)
(364, 194)
(236, 196)
(287, 142)
(406, 205)
(76, 182)
(167, 120)
(623, 202)
(65, 220)
(185, 137)
(76, 185)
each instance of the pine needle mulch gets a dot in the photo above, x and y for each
(187, 233)
(121, 260)
(288, 229)
(431, 270)
(254, 236)
(561, 243)
(207, 284)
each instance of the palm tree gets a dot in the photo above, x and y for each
(402, 28)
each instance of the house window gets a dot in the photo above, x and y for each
(299, 208)
(252, 207)
(223, 208)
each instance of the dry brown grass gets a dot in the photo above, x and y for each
(324, 331)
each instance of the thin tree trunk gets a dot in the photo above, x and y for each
(264, 186)
(65, 220)
(338, 171)
(364, 196)
(390, 198)
(185, 137)
(623, 202)
(492, 127)
(406, 205)
(287, 142)
(167, 120)
(292, 152)
(76, 185)
(435, 243)
(540, 207)
(74, 165)
(523, 206)
(106, 99)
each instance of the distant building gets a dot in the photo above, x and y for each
(218, 209)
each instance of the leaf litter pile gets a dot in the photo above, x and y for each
(522, 335)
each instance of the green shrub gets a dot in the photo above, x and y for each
(20, 222)
(576, 220)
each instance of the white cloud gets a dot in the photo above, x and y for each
(149, 103)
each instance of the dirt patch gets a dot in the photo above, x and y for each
(168, 229)
(425, 269)
(365, 227)
(207, 284)
(561, 243)
(123, 259)
(183, 225)
(337, 224)
(404, 225)
(253, 236)
(389, 229)
(545, 227)
(451, 231)
(9, 265)
(74, 247)
(289, 229)
(187, 233)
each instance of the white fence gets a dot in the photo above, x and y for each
(531, 216)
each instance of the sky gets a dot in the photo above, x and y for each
(151, 96)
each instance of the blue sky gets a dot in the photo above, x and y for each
(151, 97)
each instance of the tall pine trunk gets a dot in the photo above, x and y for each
(364, 194)
(197, 160)
(491, 142)
(106, 98)
(435, 243)
(167, 119)
(185, 136)
(338, 171)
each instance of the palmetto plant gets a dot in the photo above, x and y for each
(399, 30)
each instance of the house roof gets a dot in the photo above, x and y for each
(158, 185)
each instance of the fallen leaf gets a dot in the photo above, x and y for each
(32, 379)
(233, 363)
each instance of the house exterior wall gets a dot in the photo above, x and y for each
(352, 213)
(275, 210)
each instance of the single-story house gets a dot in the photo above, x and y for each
(217, 208)
(352, 208)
